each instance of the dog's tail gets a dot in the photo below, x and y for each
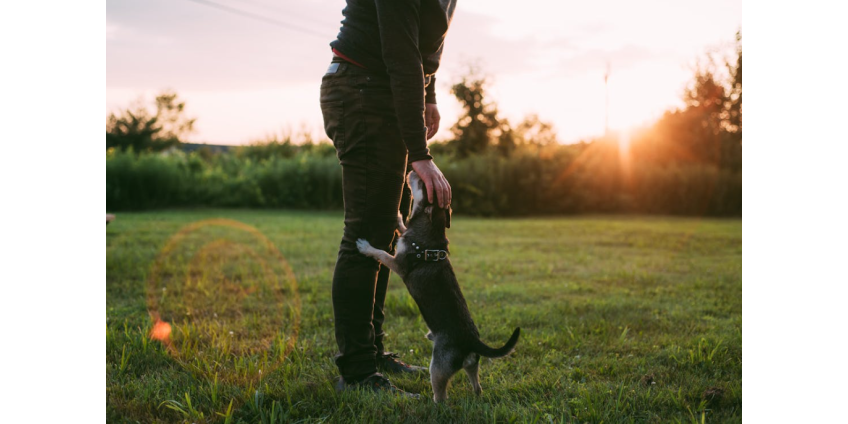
(484, 350)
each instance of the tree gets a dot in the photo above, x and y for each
(530, 132)
(735, 95)
(170, 113)
(533, 131)
(732, 146)
(715, 101)
(507, 139)
(705, 113)
(473, 131)
(138, 129)
(709, 128)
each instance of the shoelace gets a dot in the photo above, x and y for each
(393, 356)
(381, 381)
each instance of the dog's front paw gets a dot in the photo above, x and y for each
(363, 246)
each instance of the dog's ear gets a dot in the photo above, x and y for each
(429, 211)
(448, 213)
(423, 188)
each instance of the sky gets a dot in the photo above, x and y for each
(245, 78)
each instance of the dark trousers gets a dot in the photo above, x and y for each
(359, 116)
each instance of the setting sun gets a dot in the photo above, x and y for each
(624, 143)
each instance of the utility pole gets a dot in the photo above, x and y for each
(606, 92)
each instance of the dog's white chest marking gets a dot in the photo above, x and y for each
(401, 248)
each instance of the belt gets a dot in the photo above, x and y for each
(428, 78)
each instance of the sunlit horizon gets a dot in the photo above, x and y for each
(245, 79)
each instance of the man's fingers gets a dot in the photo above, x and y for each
(447, 190)
(440, 191)
(431, 119)
(432, 126)
(429, 185)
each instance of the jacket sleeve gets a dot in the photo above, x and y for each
(431, 64)
(430, 91)
(399, 24)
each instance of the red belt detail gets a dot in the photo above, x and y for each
(339, 54)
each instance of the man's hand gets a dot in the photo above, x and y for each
(434, 181)
(431, 120)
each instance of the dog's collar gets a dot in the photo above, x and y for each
(427, 255)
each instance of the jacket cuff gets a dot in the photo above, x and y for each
(419, 154)
(430, 91)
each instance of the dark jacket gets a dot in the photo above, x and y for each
(404, 39)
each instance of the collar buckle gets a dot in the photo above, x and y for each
(431, 255)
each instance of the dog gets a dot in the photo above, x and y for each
(421, 260)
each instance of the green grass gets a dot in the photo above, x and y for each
(624, 319)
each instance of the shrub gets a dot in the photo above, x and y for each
(562, 180)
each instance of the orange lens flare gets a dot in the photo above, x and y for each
(161, 331)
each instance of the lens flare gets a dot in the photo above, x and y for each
(161, 331)
(624, 144)
(229, 302)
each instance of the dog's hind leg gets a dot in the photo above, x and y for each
(471, 365)
(442, 368)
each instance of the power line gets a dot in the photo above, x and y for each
(282, 10)
(260, 18)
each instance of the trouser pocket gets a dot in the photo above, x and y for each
(333, 112)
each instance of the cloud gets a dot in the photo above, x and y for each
(187, 45)
(111, 31)
(474, 38)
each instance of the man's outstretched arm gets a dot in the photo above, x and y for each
(399, 29)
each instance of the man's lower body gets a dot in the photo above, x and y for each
(359, 116)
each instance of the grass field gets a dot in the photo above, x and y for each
(624, 319)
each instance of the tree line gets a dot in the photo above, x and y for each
(688, 162)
